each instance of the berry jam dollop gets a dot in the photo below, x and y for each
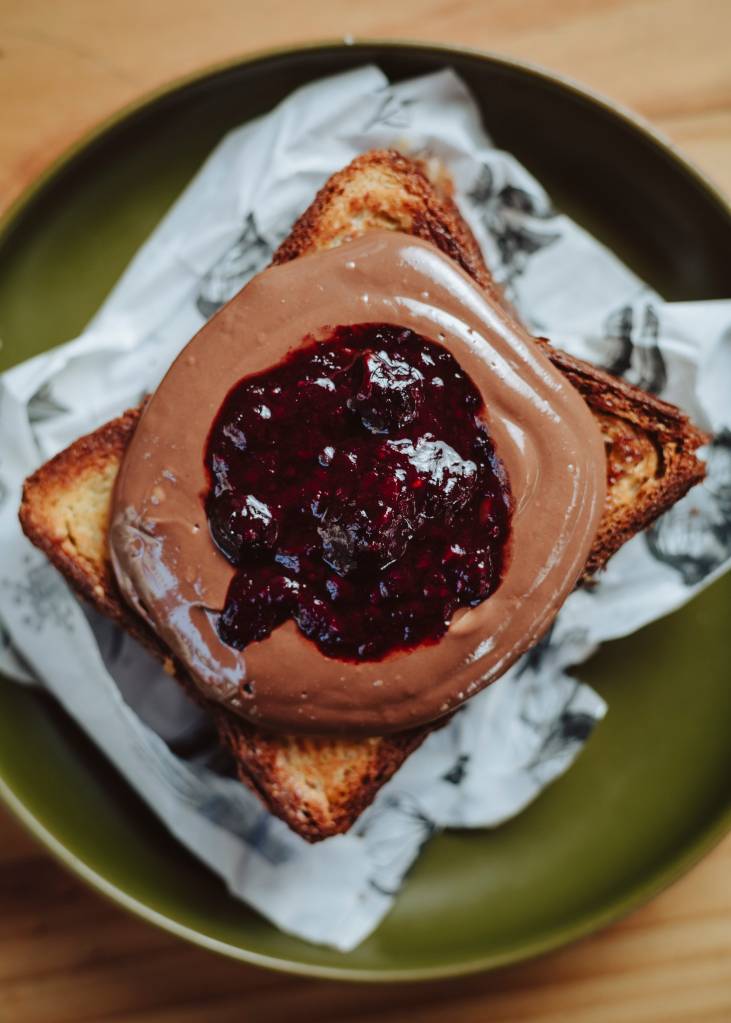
(355, 489)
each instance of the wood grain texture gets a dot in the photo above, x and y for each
(67, 956)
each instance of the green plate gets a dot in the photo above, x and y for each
(650, 794)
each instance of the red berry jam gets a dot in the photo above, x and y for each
(356, 490)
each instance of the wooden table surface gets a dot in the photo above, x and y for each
(65, 954)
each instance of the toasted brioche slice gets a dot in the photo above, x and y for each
(319, 786)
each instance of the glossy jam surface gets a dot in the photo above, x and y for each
(355, 489)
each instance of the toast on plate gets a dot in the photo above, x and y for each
(319, 786)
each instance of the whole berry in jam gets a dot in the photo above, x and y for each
(241, 524)
(389, 394)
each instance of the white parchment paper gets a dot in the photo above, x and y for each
(513, 739)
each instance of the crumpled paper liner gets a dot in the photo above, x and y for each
(508, 742)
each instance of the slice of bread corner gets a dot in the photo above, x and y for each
(319, 786)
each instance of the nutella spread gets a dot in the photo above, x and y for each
(174, 574)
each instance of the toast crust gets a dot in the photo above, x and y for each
(383, 189)
(65, 512)
(650, 447)
(319, 786)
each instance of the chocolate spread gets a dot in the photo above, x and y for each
(172, 572)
